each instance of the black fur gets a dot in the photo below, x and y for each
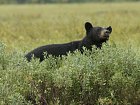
(93, 37)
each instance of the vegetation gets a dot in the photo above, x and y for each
(105, 77)
(56, 1)
(110, 76)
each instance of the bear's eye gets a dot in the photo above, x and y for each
(98, 29)
(107, 32)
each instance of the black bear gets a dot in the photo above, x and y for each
(94, 36)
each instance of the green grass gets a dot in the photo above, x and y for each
(110, 76)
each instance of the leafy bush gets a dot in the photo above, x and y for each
(110, 76)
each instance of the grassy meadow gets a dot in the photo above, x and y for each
(29, 26)
(110, 76)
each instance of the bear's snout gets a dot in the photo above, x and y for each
(106, 34)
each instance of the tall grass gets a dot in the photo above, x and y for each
(110, 76)
(28, 26)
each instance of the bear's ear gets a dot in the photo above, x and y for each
(109, 29)
(88, 26)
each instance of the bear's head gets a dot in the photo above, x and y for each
(97, 35)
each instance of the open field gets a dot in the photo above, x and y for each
(29, 26)
(110, 76)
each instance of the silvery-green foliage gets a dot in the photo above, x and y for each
(107, 76)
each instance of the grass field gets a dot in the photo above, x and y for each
(110, 76)
(29, 26)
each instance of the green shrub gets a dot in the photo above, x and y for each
(110, 76)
